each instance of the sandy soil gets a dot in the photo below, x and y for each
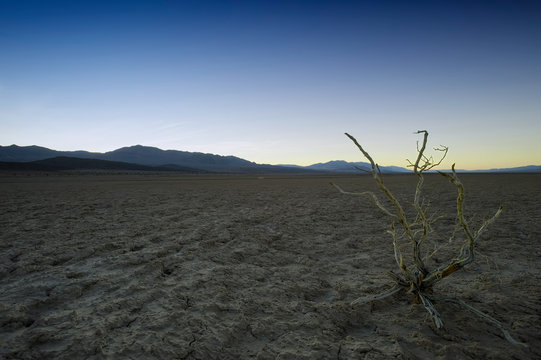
(231, 267)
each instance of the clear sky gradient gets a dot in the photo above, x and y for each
(275, 81)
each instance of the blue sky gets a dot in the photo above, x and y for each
(275, 81)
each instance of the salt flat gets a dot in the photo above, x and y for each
(237, 267)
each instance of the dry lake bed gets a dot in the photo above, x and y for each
(254, 267)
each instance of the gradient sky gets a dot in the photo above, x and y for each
(275, 81)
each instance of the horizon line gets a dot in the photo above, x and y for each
(276, 163)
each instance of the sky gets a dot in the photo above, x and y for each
(276, 82)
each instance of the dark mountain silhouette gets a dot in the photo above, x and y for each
(142, 155)
(340, 166)
(520, 169)
(141, 158)
(145, 158)
(153, 156)
(16, 153)
(61, 163)
(353, 167)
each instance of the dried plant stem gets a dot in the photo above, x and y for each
(482, 315)
(415, 277)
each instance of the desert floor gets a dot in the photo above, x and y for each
(263, 267)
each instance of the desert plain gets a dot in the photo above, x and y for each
(148, 266)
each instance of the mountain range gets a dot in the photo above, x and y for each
(145, 158)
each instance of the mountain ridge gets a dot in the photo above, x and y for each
(349, 167)
(146, 158)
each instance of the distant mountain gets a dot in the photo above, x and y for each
(136, 157)
(145, 158)
(16, 153)
(62, 163)
(153, 156)
(520, 169)
(350, 167)
(356, 167)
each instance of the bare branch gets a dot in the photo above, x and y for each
(429, 306)
(366, 155)
(486, 317)
(487, 223)
(421, 152)
(371, 194)
(376, 173)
